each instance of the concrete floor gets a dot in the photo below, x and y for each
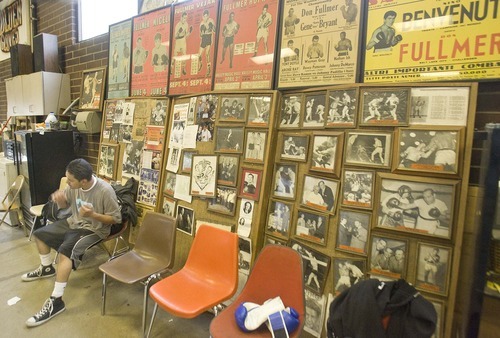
(82, 296)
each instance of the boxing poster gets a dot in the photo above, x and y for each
(246, 44)
(150, 53)
(319, 42)
(193, 43)
(120, 35)
(432, 40)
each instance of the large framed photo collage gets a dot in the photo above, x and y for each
(367, 180)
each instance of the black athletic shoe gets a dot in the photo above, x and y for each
(51, 308)
(40, 272)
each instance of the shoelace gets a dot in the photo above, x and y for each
(37, 272)
(47, 307)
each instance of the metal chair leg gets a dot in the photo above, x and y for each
(155, 309)
(145, 301)
(103, 295)
(32, 228)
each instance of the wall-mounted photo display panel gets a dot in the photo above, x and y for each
(427, 149)
(326, 152)
(368, 148)
(384, 106)
(416, 204)
(342, 108)
(357, 188)
(318, 47)
(150, 53)
(318, 265)
(409, 41)
(388, 256)
(193, 46)
(246, 45)
(352, 231)
(291, 111)
(347, 272)
(433, 268)
(279, 219)
(119, 57)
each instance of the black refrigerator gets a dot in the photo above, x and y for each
(42, 158)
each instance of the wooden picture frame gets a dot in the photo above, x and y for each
(120, 42)
(416, 204)
(347, 272)
(315, 277)
(440, 308)
(224, 201)
(233, 108)
(259, 111)
(255, 145)
(314, 112)
(187, 160)
(92, 89)
(320, 193)
(353, 231)
(204, 176)
(285, 180)
(227, 171)
(357, 188)
(433, 150)
(291, 111)
(273, 240)
(293, 147)
(433, 268)
(250, 183)
(312, 226)
(383, 258)
(326, 154)
(384, 106)
(342, 108)
(169, 183)
(229, 139)
(169, 206)
(185, 220)
(279, 219)
(108, 157)
(368, 148)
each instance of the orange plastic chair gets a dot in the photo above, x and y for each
(209, 277)
(152, 255)
(277, 272)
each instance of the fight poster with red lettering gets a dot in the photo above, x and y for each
(319, 42)
(432, 40)
(150, 53)
(246, 44)
(193, 46)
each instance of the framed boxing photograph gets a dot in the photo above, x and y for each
(275, 241)
(416, 204)
(169, 183)
(434, 150)
(279, 218)
(108, 156)
(368, 148)
(168, 207)
(255, 145)
(185, 220)
(233, 108)
(326, 154)
(224, 201)
(259, 111)
(285, 180)
(204, 176)
(357, 188)
(388, 256)
(342, 108)
(293, 147)
(353, 228)
(187, 160)
(314, 110)
(229, 139)
(291, 111)
(316, 275)
(250, 183)
(441, 315)
(92, 89)
(312, 226)
(320, 193)
(347, 272)
(433, 268)
(384, 106)
(227, 169)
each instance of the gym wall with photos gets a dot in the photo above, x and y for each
(367, 183)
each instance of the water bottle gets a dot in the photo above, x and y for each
(50, 118)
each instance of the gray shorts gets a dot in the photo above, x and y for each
(71, 243)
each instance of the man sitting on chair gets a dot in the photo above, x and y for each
(94, 208)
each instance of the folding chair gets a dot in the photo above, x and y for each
(11, 200)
